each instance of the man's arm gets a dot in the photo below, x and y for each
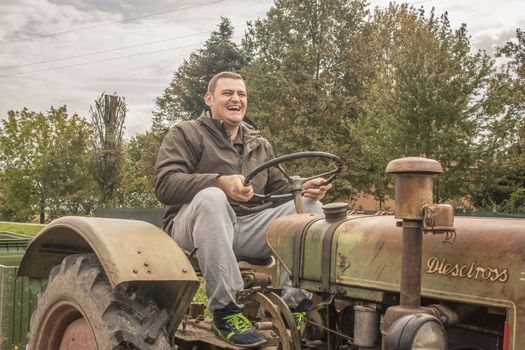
(175, 180)
(316, 188)
(233, 186)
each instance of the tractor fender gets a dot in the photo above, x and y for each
(128, 250)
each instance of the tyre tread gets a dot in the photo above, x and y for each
(129, 320)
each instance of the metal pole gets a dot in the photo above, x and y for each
(410, 296)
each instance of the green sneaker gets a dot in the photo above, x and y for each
(230, 325)
(298, 317)
(299, 312)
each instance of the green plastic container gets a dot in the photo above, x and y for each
(12, 248)
(18, 296)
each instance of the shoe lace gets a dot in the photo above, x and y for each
(298, 317)
(239, 322)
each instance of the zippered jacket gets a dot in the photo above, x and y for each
(195, 152)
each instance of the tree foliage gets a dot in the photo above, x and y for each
(183, 98)
(427, 99)
(107, 155)
(43, 165)
(308, 76)
(503, 179)
(137, 189)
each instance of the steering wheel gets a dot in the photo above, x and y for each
(295, 182)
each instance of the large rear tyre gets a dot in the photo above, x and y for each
(77, 309)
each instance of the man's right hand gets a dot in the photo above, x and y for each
(233, 186)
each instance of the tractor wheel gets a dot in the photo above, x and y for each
(77, 309)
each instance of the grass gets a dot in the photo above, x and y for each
(26, 229)
(200, 297)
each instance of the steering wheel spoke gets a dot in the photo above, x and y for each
(294, 181)
(333, 173)
(281, 169)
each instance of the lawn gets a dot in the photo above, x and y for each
(27, 229)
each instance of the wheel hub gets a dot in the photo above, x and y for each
(63, 327)
(78, 336)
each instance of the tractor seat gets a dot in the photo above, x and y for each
(245, 263)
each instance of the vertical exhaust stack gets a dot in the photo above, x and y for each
(413, 193)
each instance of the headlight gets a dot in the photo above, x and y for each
(416, 332)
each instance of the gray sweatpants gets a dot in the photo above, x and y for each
(210, 224)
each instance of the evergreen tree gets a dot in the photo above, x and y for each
(427, 99)
(308, 76)
(183, 98)
(501, 186)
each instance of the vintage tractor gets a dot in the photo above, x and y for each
(418, 280)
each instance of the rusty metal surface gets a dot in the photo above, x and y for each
(196, 310)
(393, 313)
(298, 252)
(410, 285)
(256, 279)
(298, 201)
(485, 252)
(438, 218)
(412, 193)
(312, 252)
(326, 254)
(282, 234)
(335, 211)
(54, 322)
(414, 165)
(284, 337)
(78, 336)
(129, 250)
(484, 264)
(287, 314)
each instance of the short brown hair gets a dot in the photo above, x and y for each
(213, 81)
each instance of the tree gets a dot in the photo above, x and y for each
(107, 155)
(138, 185)
(183, 98)
(427, 99)
(42, 160)
(501, 186)
(308, 77)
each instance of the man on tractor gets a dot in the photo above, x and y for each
(200, 172)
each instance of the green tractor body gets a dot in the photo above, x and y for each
(482, 267)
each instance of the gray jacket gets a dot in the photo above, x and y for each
(194, 153)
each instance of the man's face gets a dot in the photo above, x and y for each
(229, 101)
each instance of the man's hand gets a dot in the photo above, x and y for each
(316, 188)
(234, 188)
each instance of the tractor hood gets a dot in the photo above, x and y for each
(483, 263)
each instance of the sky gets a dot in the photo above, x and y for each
(69, 52)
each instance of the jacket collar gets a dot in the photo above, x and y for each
(249, 132)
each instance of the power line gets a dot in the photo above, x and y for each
(107, 24)
(99, 61)
(104, 60)
(109, 50)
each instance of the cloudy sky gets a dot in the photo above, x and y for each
(67, 52)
